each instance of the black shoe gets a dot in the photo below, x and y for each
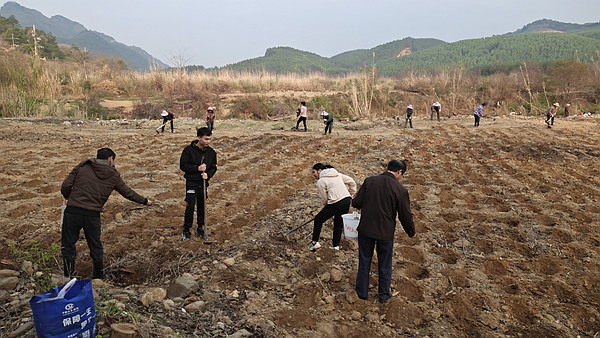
(200, 232)
(98, 272)
(186, 235)
(69, 267)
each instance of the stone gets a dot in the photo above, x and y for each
(9, 273)
(195, 307)
(336, 275)
(355, 315)
(241, 334)
(229, 261)
(8, 283)
(153, 295)
(183, 286)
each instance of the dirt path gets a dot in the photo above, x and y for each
(507, 217)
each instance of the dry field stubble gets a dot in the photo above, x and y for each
(507, 217)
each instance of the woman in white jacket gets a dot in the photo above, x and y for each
(335, 191)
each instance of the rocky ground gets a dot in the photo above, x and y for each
(507, 217)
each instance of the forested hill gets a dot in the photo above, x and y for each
(546, 25)
(501, 52)
(560, 41)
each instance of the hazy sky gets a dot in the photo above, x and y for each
(219, 32)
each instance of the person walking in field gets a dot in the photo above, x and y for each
(86, 189)
(567, 108)
(327, 119)
(409, 114)
(199, 163)
(210, 118)
(303, 115)
(550, 113)
(335, 191)
(381, 199)
(478, 113)
(436, 108)
(167, 117)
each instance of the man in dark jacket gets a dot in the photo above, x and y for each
(87, 188)
(199, 162)
(380, 199)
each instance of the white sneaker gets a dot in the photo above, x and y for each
(314, 246)
(335, 247)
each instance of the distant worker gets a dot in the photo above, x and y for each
(303, 114)
(335, 191)
(167, 117)
(381, 199)
(437, 109)
(327, 119)
(210, 118)
(409, 113)
(478, 113)
(550, 113)
(567, 108)
(86, 189)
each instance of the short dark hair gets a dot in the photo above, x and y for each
(397, 165)
(483, 104)
(319, 166)
(303, 103)
(105, 153)
(204, 131)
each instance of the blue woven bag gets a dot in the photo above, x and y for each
(65, 311)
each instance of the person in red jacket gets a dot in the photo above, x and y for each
(86, 189)
(381, 198)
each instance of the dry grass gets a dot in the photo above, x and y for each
(34, 87)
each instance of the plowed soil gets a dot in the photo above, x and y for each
(507, 219)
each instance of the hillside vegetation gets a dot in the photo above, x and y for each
(491, 54)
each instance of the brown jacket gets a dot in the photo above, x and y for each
(91, 182)
(380, 199)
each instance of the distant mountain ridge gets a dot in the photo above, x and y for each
(530, 43)
(547, 25)
(71, 32)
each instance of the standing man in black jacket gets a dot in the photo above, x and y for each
(380, 199)
(86, 189)
(199, 162)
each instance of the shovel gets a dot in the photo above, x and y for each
(204, 200)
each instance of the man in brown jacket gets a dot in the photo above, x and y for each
(380, 199)
(87, 188)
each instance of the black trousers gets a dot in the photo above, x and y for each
(210, 125)
(385, 250)
(328, 126)
(301, 119)
(163, 127)
(335, 210)
(194, 200)
(477, 118)
(72, 224)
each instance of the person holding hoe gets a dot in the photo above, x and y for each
(478, 113)
(167, 117)
(335, 191)
(210, 118)
(86, 189)
(550, 114)
(199, 163)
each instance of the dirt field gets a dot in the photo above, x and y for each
(507, 219)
